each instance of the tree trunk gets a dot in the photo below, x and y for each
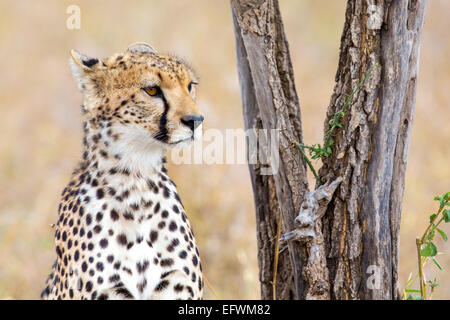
(362, 220)
(370, 153)
(270, 102)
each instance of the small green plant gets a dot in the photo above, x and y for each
(317, 151)
(427, 251)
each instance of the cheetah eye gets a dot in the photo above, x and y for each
(152, 91)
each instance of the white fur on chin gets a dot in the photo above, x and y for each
(140, 152)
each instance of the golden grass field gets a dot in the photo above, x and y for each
(41, 132)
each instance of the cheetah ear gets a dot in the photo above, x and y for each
(141, 47)
(82, 60)
(82, 66)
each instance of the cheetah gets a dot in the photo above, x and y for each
(122, 231)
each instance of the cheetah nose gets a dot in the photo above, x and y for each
(192, 121)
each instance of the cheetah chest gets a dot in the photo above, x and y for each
(137, 242)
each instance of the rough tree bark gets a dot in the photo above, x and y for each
(362, 224)
(270, 101)
(362, 220)
(308, 230)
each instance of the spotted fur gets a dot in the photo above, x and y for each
(122, 231)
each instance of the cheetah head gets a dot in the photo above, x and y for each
(144, 99)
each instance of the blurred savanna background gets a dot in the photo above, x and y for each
(40, 128)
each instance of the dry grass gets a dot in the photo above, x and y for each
(41, 131)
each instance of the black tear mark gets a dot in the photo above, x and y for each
(162, 134)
